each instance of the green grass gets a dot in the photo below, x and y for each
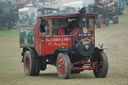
(126, 9)
(5, 33)
(125, 15)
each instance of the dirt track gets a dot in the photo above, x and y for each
(114, 37)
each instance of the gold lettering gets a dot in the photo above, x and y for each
(57, 44)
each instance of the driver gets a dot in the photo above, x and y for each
(74, 24)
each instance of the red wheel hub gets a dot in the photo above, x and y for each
(27, 63)
(61, 66)
(98, 65)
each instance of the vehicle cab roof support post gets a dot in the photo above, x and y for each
(51, 25)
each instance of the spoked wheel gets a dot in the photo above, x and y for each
(63, 65)
(31, 64)
(27, 64)
(101, 65)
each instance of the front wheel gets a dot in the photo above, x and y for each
(63, 65)
(101, 65)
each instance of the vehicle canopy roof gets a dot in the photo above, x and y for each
(43, 8)
(63, 15)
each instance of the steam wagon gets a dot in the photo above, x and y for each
(65, 40)
(105, 12)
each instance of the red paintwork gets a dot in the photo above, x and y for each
(83, 68)
(92, 66)
(62, 17)
(36, 36)
(75, 31)
(48, 45)
(53, 43)
(61, 31)
(27, 63)
(61, 66)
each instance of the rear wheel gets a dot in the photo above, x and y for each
(101, 65)
(63, 65)
(31, 63)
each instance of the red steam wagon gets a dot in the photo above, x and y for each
(66, 40)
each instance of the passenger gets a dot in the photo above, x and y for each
(74, 24)
(44, 28)
(69, 28)
(75, 31)
(61, 31)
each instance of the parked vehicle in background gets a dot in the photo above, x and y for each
(106, 11)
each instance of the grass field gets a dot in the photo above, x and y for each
(115, 37)
(126, 9)
(10, 33)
